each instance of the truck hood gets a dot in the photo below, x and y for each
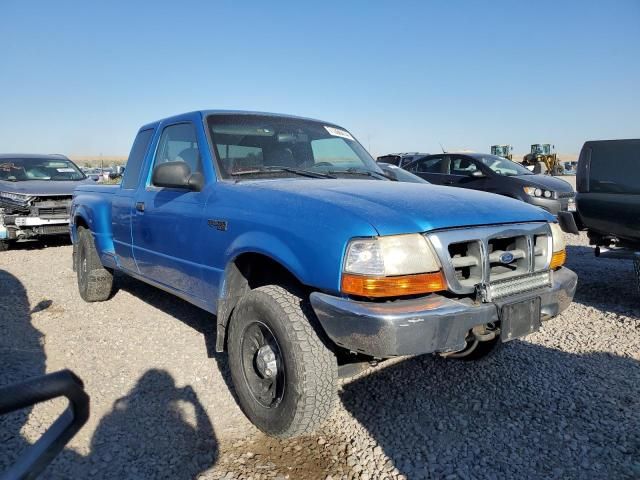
(43, 187)
(398, 207)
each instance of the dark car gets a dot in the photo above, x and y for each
(399, 174)
(490, 173)
(608, 200)
(400, 159)
(35, 195)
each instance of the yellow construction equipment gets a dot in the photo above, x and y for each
(543, 154)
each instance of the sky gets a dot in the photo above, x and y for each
(80, 78)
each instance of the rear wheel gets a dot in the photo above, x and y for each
(4, 245)
(94, 281)
(284, 375)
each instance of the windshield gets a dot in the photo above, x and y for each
(24, 169)
(270, 146)
(502, 166)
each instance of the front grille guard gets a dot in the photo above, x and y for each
(442, 239)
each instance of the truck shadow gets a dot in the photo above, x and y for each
(525, 412)
(604, 283)
(192, 316)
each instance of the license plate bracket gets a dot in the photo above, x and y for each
(520, 319)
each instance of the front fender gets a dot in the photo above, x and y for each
(97, 217)
(270, 246)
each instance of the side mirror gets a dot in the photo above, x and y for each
(477, 174)
(177, 175)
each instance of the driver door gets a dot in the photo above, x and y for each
(166, 220)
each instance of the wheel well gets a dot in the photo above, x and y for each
(247, 272)
(80, 222)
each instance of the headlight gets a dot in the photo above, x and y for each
(559, 255)
(391, 266)
(537, 192)
(16, 197)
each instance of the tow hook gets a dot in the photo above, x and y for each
(483, 334)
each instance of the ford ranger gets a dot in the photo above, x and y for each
(310, 258)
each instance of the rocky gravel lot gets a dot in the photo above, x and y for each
(562, 403)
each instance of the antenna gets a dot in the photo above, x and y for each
(443, 151)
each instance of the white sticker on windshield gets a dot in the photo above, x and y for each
(65, 170)
(337, 132)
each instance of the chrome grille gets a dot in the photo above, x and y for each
(481, 255)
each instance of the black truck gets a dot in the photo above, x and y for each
(608, 198)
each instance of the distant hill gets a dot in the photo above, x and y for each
(93, 161)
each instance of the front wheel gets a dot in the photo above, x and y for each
(284, 375)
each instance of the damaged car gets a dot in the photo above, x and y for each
(35, 196)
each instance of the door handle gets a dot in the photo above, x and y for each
(140, 206)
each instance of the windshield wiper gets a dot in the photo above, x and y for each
(298, 171)
(361, 171)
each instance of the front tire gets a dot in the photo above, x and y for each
(284, 375)
(94, 281)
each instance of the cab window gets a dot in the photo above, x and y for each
(178, 143)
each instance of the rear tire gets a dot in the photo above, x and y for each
(94, 281)
(4, 245)
(292, 391)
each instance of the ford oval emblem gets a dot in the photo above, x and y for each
(506, 257)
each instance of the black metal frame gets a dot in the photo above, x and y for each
(25, 394)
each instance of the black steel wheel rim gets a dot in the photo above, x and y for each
(262, 364)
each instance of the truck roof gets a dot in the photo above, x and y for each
(204, 113)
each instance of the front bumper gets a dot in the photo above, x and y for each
(425, 325)
(16, 227)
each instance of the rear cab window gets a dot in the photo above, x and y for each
(136, 159)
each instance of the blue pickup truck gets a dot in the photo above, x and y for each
(312, 260)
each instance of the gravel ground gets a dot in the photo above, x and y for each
(562, 403)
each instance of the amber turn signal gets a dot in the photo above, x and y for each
(558, 259)
(397, 286)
